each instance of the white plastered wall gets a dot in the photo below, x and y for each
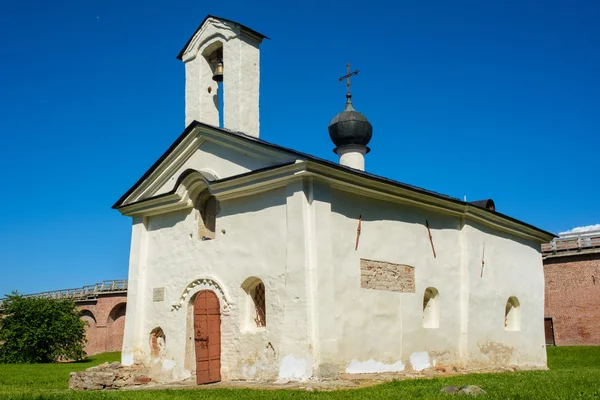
(253, 245)
(300, 241)
(136, 283)
(513, 267)
(257, 236)
(471, 332)
(394, 233)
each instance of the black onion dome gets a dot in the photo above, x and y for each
(350, 127)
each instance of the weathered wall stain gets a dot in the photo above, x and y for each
(498, 353)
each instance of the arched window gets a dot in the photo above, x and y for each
(431, 308)
(206, 206)
(158, 342)
(256, 304)
(258, 297)
(512, 315)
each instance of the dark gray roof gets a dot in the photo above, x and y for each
(318, 160)
(488, 204)
(244, 27)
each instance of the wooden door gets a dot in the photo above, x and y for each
(549, 329)
(207, 335)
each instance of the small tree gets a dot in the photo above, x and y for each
(40, 330)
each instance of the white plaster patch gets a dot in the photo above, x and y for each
(372, 366)
(249, 370)
(292, 368)
(420, 360)
(185, 374)
(127, 359)
(168, 365)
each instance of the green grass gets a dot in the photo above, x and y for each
(574, 374)
(15, 378)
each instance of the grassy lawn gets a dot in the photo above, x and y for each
(30, 378)
(574, 374)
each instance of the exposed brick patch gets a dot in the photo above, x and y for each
(573, 298)
(106, 318)
(380, 275)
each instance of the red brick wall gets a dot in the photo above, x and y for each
(573, 298)
(106, 318)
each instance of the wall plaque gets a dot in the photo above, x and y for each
(158, 294)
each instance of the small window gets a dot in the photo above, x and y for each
(512, 315)
(256, 304)
(158, 342)
(431, 312)
(206, 206)
(259, 305)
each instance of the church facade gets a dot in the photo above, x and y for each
(250, 261)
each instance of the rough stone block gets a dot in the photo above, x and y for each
(108, 376)
(142, 379)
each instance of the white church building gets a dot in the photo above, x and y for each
(251, 261)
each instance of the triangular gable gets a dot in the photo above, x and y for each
(243, 28)
(214, 152)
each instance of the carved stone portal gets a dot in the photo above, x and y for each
(205, 283)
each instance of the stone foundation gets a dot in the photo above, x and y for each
(108, 376)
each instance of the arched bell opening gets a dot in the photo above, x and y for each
(213, 54)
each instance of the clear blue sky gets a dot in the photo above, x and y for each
(495, 99)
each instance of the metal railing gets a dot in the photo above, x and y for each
(573, 242)
(83, 293)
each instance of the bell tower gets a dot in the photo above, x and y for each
(223, 59)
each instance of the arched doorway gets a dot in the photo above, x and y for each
(207, 337)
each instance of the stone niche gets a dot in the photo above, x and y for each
(381, 275)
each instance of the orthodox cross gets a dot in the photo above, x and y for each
(347, 76)
(430, 238)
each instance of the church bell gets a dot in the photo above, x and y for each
(218, 75)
